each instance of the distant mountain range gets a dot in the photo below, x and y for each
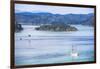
(49, 18)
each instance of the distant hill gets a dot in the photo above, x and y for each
(49, 18)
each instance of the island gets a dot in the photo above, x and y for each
(56, 27)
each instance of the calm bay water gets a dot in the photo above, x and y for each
(46, 47)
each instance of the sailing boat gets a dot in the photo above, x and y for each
(74, 53)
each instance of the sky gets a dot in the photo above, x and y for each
(52, 9)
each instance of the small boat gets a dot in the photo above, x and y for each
(74, 53)
(29, 35)
(20, 38)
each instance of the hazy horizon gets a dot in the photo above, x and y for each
(52, 9)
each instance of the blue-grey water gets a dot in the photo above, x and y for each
(46, 47)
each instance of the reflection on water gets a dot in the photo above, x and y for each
(45, 47)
